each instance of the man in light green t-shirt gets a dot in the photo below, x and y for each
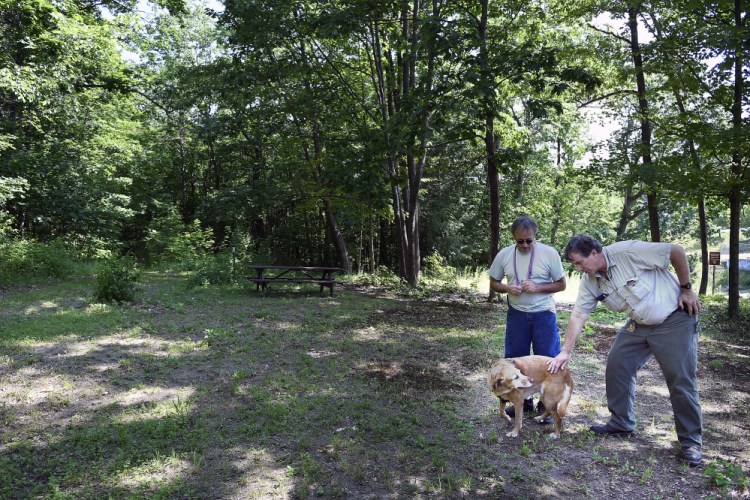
(532, 272)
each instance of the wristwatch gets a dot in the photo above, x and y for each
(686, 286)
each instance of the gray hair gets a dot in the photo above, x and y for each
(524, 222)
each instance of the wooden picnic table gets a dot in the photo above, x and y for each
(266, 274)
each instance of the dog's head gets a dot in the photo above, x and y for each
(505, 377)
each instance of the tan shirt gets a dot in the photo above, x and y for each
(638, 282)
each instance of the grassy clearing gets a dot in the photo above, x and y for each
(220, 392)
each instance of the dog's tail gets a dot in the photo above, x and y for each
(562, 406)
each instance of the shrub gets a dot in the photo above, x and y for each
(21, 260)
(434, 267)
(169, 240)
(211, 271)
(53, 260)
(115, 280)
(381, 277)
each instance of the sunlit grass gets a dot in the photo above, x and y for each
(190, 392)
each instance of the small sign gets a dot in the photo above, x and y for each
(714, 258)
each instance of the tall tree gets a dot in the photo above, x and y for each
(737, 49)
(704, 54)
(634, 11)
(59, 76)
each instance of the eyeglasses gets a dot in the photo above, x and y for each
(528, 241)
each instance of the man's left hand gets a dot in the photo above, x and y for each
(688, 301)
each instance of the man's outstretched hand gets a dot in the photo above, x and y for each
(559, 362)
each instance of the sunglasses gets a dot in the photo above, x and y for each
(528, 241)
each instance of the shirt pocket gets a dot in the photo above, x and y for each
(635, 291)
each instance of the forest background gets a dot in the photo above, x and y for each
(397, 140)
(376, 136)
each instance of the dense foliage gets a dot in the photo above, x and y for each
(366, 134)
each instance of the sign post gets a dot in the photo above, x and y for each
(714, 259)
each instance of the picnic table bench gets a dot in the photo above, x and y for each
(322, 276)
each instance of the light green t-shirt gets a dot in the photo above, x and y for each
(547, 268)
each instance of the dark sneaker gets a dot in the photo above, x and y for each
(540, 409)
(528, 408)
(691, 455)
(608, 430)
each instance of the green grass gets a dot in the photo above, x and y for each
(221, 392)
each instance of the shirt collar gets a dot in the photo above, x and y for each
(610, 265)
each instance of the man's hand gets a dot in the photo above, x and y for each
(575, 327)
(515, 289)
(688, 301)
(529, 286)
(559, 362)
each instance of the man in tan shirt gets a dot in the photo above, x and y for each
(634, 277)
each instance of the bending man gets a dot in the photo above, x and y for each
(634, 277)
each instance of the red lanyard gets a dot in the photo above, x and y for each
(531, 264)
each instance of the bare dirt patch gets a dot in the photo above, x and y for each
(417, 377)
(645, 466)
(229, 394)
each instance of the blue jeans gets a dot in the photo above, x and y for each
(526, 330)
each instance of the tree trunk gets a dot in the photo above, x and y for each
(627, 214)
(701, 204)
(332, 227)
(402, 236)
(393, 88)
(386, 237)
(337, 237)
(371, 241)
(334, 233)
(489, 145)
(735, 193)
(640, 79)
(494, 189)
(704, 247)
(556, 203)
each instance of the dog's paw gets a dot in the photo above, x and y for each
(512, 434)
(507, 418)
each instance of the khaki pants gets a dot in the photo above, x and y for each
(674, 344)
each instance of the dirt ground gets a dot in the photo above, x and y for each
(583, 466)
(430, 356)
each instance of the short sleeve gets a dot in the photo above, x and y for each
(586, 301)
(497, 269)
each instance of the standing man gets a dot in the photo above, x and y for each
(533, 272)
(634, 277)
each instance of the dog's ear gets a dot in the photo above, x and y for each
(500, 386)
(497, 384)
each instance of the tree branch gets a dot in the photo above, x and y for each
(614, 35)
(606, 96)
